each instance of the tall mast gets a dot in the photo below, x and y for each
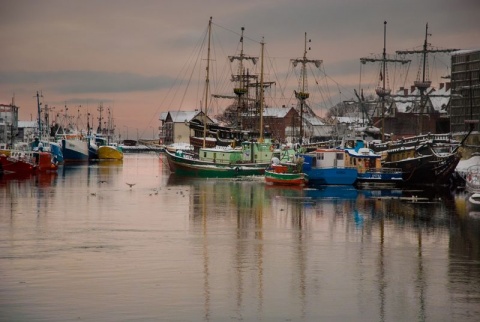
(303, 93)
(424, 82)
(261, 94)
(383, 91)
(242, 77)
(207, 82)
(100, 118)
(39, 111)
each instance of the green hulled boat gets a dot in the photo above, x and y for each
(250, 159)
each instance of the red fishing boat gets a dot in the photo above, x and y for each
(26, 162)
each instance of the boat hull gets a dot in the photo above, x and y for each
(427, 169)
(74, 150)
(13, 165)
(289, 179)
(331, 176)
(182, 165)
(107, 152)
(380, 177)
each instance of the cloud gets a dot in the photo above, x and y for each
(87, 82)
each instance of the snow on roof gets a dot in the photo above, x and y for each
(26, 124)
(163, 116)
(279, 112)
(464, 51)
(313, 120)
(406, 102)
(182, 116)
(440, 103)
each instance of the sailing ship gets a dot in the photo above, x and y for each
(418, 158)
(250, 158)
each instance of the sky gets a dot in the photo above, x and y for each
(132, 56)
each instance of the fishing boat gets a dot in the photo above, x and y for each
(27, 162)
(250, 158)
(326, 166)
(43, 142)
(369, 166)
(74, 148)
(287, 173)
(73, 141)
(110, 152)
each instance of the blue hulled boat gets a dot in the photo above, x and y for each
(327, 167)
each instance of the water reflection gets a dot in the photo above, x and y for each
(178, 249)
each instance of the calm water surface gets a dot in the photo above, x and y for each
(82, 245)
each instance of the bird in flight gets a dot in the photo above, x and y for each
(130, 184)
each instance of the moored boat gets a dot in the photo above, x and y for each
(422, 164)
(74, 148)
(370, 170)
(472, 179)
(110, 152)
(252, 158)
(287, 173)
(24, 162)
(327, 167)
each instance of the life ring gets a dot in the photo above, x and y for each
(271, 148)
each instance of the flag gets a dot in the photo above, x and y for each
(381, 76)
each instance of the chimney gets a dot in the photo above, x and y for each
(405, 91)
(441, 85)
(447, 86)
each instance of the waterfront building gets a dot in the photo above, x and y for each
(465, 103)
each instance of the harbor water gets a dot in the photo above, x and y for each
(83, 245)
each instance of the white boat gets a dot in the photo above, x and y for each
(472, 179)
(472, 186)
(464, 164)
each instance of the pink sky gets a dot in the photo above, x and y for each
(128, 55)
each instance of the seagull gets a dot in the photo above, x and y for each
(130, 184)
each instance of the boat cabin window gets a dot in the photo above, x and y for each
(320, 156)
(340, 156)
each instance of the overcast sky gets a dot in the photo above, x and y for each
(129, 54)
